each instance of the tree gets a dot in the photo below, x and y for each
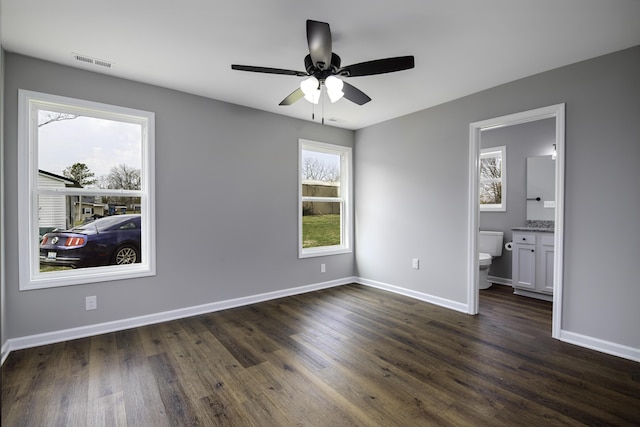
(80, 173)
(123, 177)
(46, 117)
(490, 181)
(316, 170)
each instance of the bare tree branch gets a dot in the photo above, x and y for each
(46, 117)
(316, 170)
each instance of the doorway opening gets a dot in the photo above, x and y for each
(557, 112)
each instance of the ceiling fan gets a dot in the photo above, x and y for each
(322, 67)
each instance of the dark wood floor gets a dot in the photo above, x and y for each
(350, 355)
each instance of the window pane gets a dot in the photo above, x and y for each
(321, 224)
(491, 193)
(93, 152)
(88, 231)
(491, 167)
(322, 172)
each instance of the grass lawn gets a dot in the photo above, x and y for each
(47, 268)
(320, 230)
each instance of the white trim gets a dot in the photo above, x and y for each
(473, 228)
(530, 294)
(134, 322)
(499, 280)
(345, 198)
(602, 346)
(558, 259)
(553, 111)
(486, 152)
(4, 352)
(28, 190)
(432, 299)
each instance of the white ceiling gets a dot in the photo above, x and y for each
(460, 46)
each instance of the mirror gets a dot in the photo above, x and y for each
(541, 183)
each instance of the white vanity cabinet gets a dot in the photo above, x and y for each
(532, 268)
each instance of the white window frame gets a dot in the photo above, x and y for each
(502, 153)
(345, 199)
(29, 103)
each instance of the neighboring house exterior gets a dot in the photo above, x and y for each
(54, 211)
(88, 208)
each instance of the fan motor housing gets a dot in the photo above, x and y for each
(323, 73)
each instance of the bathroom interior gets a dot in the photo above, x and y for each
(516, 239)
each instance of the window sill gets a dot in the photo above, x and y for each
(324, 251)
(81, 276)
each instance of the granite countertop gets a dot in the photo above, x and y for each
(534, 229)
(537, 226)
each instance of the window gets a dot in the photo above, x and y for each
(493, 179)
(86, 187)
(324, 199)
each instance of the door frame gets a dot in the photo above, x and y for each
(553, 111)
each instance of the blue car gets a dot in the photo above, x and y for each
(112, 240)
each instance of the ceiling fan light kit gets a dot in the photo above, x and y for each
(322, 67)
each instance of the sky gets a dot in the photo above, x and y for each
(99, 143)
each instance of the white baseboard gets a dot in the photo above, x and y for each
(134, 322)
(499, 280)
(600, 345)
(443, 302)
(118, 325)
(4, 352)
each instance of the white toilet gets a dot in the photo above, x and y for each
(489, 246)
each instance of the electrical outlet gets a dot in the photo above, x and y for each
(323, 268)
(91, 303)
(415, 263)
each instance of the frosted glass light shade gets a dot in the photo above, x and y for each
(311, 89)
(334, 88)
(309, 85)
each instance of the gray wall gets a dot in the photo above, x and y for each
(419, 165)
(209, 157)
(522, 141)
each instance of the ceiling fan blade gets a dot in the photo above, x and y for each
(378, 66)
(293, 97)
(354, 94)
(319, 40)
(268, 70)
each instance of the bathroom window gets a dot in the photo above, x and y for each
(493, 179)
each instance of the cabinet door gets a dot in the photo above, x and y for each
(524, 266)
(546, 255)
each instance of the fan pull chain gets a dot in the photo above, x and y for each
(322, 99)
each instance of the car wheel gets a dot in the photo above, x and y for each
(125, 255)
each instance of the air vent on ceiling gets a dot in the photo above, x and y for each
(94, 61)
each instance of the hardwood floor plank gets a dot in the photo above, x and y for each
(107, 411)
(344, 356)
(70, 387)
(236, 397)
(178, 407)
(140, 390)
